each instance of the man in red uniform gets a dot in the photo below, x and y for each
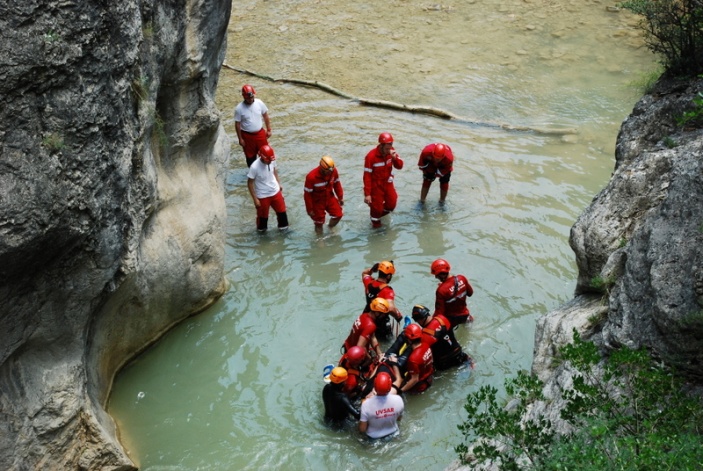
(364, 329)
(419, 368)
(324, 194)
(437, 334)
(380, 287)
(379, 191)
(357, 363)
(436, 160)
(450, 297)
(249, 118)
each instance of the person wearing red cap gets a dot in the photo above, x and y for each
(451, 294)
(357, 363)
(363, 331)
(250, 115)
(266, 190)
(324, 194)
(420, 365)
(379, 190)
(436, 160)
(380, 413)
(380, 287)
(438, 335)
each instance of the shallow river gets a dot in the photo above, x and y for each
(238, 387)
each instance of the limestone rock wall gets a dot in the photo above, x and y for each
(112, 161)
(639, 246)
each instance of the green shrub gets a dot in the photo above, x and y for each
(693, 117)
(53, 142)
(674, 30)
(636, 415)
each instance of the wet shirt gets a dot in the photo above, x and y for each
(420, 362)
(382, 413)
(265, 183)
(450, 297)
(365, 327)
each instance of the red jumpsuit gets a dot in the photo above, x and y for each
(450, 299)
(430, 170)
(378, 182)
(420, 362)
(322, 194)
(365, 327)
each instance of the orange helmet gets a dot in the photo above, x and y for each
(248, 91)
(439, 151)
(413, 332)
(267, 153)
(327, 163)
(386, 267)
(382, 384)
(356, 355)
(380, 305)
(440, 266)
(338, 375)
(385, 138)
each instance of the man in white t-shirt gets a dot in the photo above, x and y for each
(381, 413)
(266, 190)
(249, 118)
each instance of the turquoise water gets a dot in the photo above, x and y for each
(238, 387)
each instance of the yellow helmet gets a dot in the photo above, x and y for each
(327, 163)
(386, 267)
(380, 305)
(338, 375)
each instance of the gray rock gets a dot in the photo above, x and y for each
(112, 161)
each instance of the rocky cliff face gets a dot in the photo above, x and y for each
(112, 160)
(639, 246)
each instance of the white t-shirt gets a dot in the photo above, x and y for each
(382, 413)
(265, 183)
(250, 117)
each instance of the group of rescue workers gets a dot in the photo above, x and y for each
(365, 374)
(323, 192)
(377, 379)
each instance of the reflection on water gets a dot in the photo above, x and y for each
(239, 386)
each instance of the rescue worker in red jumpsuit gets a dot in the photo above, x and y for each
(420, 367)
(363, 331)
(358, 365)
(438, 335)
(379, 191)
(451, 294)
(436, 160)
(324, 194)
(380, 287)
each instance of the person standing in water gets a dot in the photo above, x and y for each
(250, 115)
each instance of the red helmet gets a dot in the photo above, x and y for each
(439, 151)
(248, 91)
(413, 332)
(356, 355)
(385, 138)
(440, 266)
(267, 153)
(382, 384)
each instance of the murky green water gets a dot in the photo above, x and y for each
(238, 387)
